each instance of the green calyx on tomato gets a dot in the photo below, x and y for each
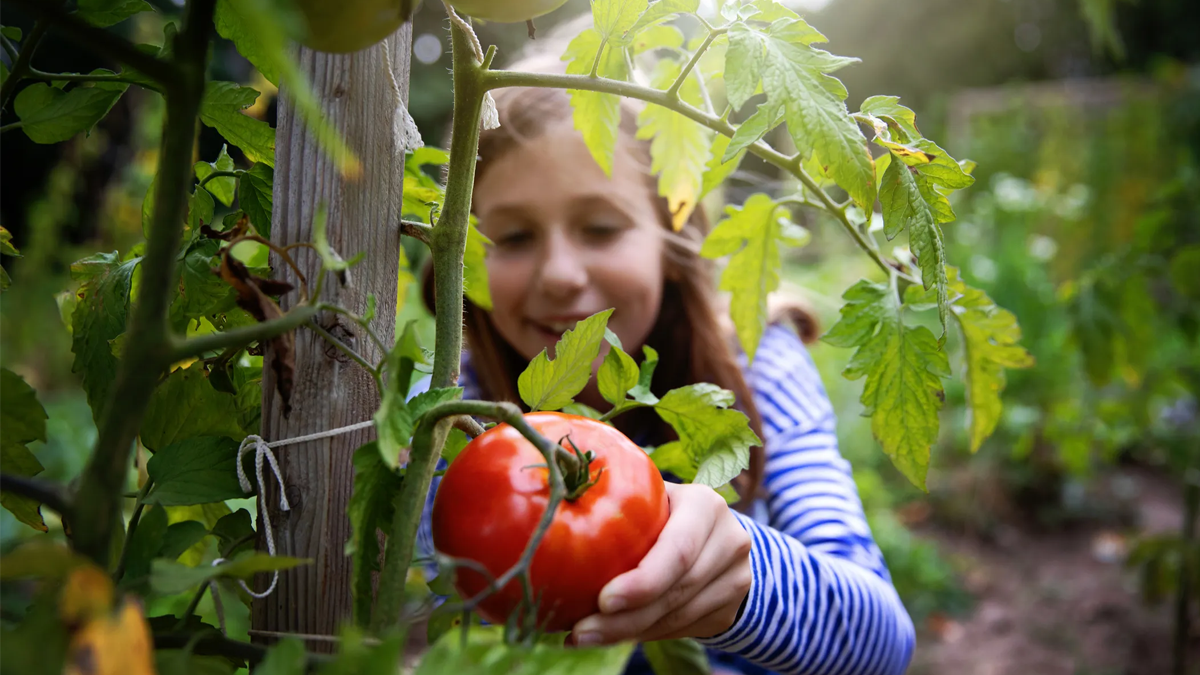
(494, 494)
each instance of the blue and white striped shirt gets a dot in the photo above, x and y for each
(821, 600)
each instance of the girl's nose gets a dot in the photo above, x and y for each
(563, 272)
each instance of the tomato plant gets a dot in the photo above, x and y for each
(351, 25)
(491, 499)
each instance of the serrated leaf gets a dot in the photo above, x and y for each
(905, 207)
(475, 275)
(171, 578)
(394, 419)
(889, 109)
(50, 115)
(255, 196)
(679, 147)
(233, 22)
(456, 442)
(222, 109)
(201, 291)
(718, 168)
(17, 460)
(990, 342)
(903, 367)
(618, 374)
(106, 13)
(641, 393)
(614, 18)
(186, 405)
(549, 385)
(484, 651)
(752, 233)
(199, 470)
(766, 117)
(222, 187)
(98, 318)
(743, 64)
(663, 10)
(330, 259)
(656, 37)
(22, 417)
(715, 439)
(597, 116)
(770, 11)
(6, 247)
(794, 76)
(371, 509)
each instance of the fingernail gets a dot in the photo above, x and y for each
(587, 639)
(612, 603)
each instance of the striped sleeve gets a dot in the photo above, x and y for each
(821, 600)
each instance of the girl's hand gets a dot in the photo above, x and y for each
(690, 584)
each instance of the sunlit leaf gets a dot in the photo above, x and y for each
(905, 206)
(550, 384)
(614, 18)
(663, 10)
(679, 147)
(255, 196)
(185, 405)
(677, 657)
(221, 187)
(98, 318)
(597, 116)
(485, 652)
(475, 275)
(618, 373)
(198, 470)
(903, 368)
(170, 578)
(715, 439)
(105, 13)
(222, 109)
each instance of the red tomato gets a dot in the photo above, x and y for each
(492, 497)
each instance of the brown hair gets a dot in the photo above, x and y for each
(692, 342)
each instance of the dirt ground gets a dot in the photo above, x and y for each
(1056, 603)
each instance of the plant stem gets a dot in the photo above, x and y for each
(106, 43)
(430, 434)
(349, 352)
(221, 174)
(673, 91)
(359, 321)
(149, 350)
(133, 525)
(191, 608)
(599, 54)
(241, 336)
(416, 230)
(35, 74)
(21, 66)
(11, 126)
(50, 494)
(504, 78)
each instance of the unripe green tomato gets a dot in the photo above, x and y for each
(506, 11)
(343, 26)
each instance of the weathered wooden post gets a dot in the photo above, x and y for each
(358, 97)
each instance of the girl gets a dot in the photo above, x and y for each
(788, 581)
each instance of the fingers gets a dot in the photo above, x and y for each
(694, 512)
(708, 613)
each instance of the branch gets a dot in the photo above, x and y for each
(133, 525)
(417, 230)
(221, 174)
(50, 494)
(390, 599)
(216, 644)
(673, 90)
(35, 74)
(104, 42)
(349, 352)
(21, 65)
(504, 78)
(241, 336)
(149, 349)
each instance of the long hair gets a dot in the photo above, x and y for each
(693, 343)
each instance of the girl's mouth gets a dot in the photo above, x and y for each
(552, 331)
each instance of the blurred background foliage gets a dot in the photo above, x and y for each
(1084, 118)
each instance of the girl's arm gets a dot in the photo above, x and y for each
(821, 599)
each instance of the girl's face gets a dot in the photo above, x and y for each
(569, 242)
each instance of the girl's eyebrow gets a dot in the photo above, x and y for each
(596, 202)
(510, 212)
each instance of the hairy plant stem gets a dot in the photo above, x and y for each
(240, 336)
(49, 494)
(497, 79)
(417, 230)
(148, 351)
(221, 174)
(21, 66)
(713, 34)
(447, 243)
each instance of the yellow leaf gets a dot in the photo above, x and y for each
(88, 594)
(119, 644)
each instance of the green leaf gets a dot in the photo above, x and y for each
(186, 405)
(22, 418)
(197, 470)
(888, 109)
(201, 291)
(371, 509)
(663, 10)
(11, 32)
(355, 657)
(770, 11)
(549, 385)
(180, 537)
(286, 657)
(679, 147)
(223, 187)
(990, 342)
(19, 461)
(50, 115)
(715, 439)
(456, 442)
(597, 116)
(657, 37)
(766, 117)
(641, 392)
(903, 368)
(222, 108)
(395, 418)
(677, 657)
(105, 13)
(475, 275)
(98, 318)
(485, 653)
(144, 545)
(171, 578)
(794, 76)
(6, 247)
(905, 206)
(718, 168)
(614, 18)
(231, 531)
(183, 662)
(255, 196)
(753, 234)
(233, 22)
(618, 374)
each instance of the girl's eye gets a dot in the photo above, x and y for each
(513, 240)
(600, 232)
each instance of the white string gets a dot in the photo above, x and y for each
(262, 451)
(405, 134)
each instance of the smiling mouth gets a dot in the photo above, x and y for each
(552, 330)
